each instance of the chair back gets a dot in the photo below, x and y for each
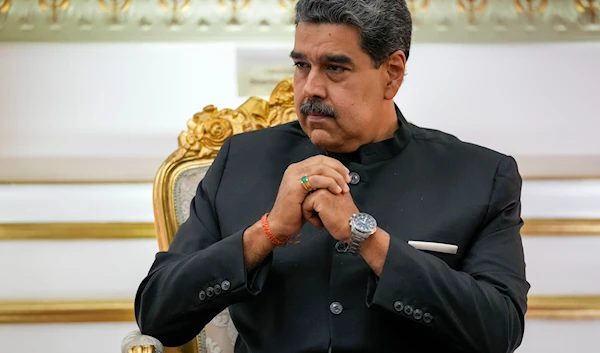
(178, 177)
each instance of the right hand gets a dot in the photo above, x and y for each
(286, 219)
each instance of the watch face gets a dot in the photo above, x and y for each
(364, 223)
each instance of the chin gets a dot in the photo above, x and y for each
(324, 140)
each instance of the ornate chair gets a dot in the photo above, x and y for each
(175, 186)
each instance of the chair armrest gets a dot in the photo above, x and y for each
(135, 342)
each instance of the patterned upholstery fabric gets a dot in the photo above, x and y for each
(220, 334)
(185, 190)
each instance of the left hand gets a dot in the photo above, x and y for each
(325, 209)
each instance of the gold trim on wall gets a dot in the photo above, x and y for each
(564, 307)
(78, 311)
(561, 227)
(76, 231)
(562, 178)
(65, 311)
(76, 182)
(107, 231)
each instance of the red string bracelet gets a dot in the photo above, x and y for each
(270, 235)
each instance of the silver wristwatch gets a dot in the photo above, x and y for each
(362, 225)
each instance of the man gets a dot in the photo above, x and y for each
(350, 230)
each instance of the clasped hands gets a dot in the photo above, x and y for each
(327, 203)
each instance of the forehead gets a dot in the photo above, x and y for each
(317, 40)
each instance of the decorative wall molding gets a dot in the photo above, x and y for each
(76, 231)
(65, 311)
(561, 227)
(146, 230)
(79, 311)
(252, 20)
(564, 307)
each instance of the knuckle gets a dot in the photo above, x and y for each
(322, 159)
(318, 169)
(289, 169)
(322, 193)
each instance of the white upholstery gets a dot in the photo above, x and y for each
(220, 334)
(185, 190)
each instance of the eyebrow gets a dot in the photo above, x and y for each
(332, 58)
(296, 55)
(339, 59)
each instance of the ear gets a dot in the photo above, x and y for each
(395, 67)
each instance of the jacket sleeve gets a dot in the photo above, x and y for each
(480, 308)
(202, 273)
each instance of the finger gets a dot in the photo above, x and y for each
(331, 163)
(309, 213)
(318, 182)
(315, 221)
(329, 172)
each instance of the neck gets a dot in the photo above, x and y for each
(389, 123)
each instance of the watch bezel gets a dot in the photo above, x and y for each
(355, 228)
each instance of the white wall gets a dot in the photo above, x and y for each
(113, 112)
(64, 338)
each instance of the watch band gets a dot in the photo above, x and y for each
(356, 241)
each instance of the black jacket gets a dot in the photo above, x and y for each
(419, 185)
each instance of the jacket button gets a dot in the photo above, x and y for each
(427, 318)
(354, 178)
(398, 306)
(408, 310)
(336, 308)
(217, 289)
(225, 285)
(202, 295)
(418, 314)
(210, 291)
(341, 247)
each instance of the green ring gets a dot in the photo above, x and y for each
(304, 179)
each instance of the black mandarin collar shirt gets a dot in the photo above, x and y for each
(379, 151)
(420, 185)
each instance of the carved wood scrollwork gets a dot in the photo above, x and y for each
(208, 129)
(4, 6)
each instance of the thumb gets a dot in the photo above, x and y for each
(309, 213)
(315, 221)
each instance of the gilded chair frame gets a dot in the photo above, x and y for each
(199, 145)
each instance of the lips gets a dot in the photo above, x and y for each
(316, 118)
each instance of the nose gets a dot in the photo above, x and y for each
(314, 86)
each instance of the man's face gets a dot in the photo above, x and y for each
(338, 94)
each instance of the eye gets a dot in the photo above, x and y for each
(301, 65)
(336, 68)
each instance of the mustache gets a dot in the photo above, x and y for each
(314, 107)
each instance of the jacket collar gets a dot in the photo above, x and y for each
(379, 151)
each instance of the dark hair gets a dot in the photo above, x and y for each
(385, 26)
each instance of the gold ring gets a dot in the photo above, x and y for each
(306, 183)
